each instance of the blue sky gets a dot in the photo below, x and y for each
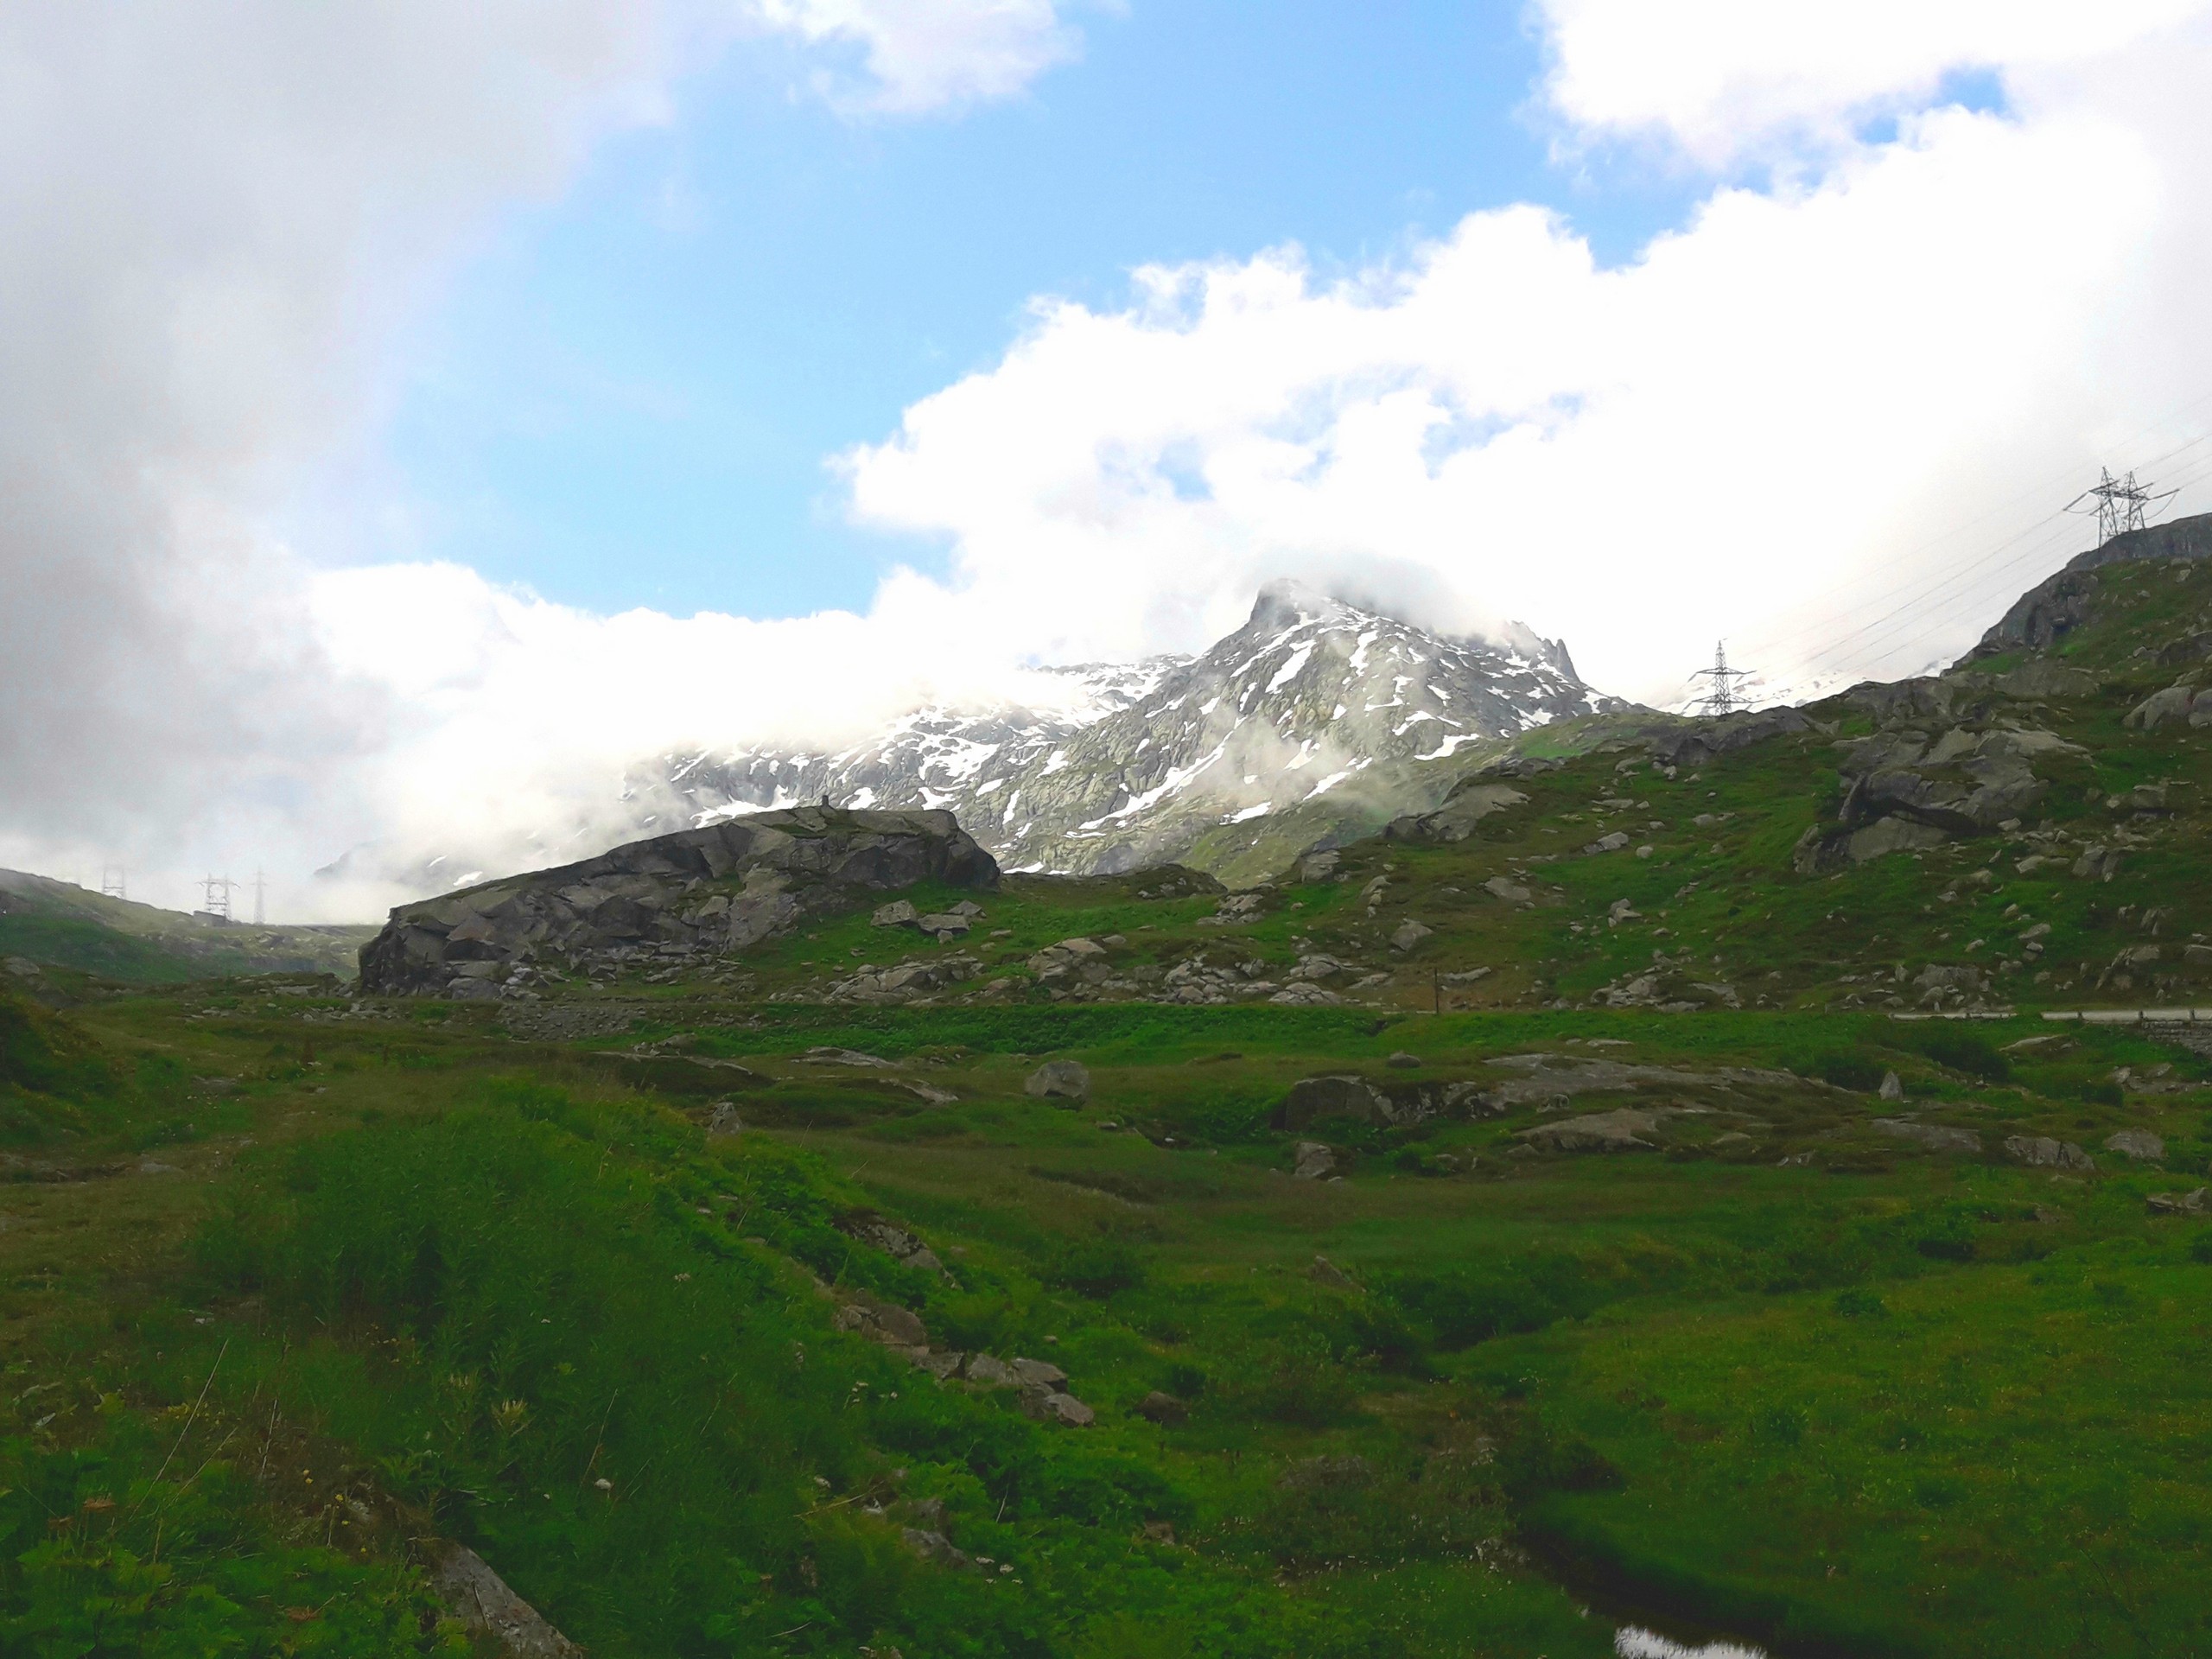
(629, 398)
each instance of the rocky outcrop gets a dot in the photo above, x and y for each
(903, 983)
(1934, 1136)
(2042, 1152)
(2176, 705)
(1624, 1131)
(1066, 1080)
(479, 1598)
(1466, 807)
(666, 902)
(1699, 742)
(1905, 787)
(1317, 1100)
(2042, 617)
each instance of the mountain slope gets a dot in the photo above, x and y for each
(1314, 703)
(58, 924)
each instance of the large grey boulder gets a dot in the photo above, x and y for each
(2138, 1144)
(1059, 1080)
(702, 893)
(1312, 1099)
(2173, 705)
(1410, 933)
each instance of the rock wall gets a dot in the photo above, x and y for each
(702, 893)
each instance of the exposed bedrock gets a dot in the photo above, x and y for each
(699, 893)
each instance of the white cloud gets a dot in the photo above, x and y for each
(1722, 78)
(215, 213)
(218, 216)
(1801, 405)
(921, 56)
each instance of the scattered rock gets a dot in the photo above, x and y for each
(1316, 1161)
(1163, 1408)
(945, 924)
(1062, 1408)
(1622, 1130)
(1326, 1272)
(843, 1057)
(1892, 1086)
(880, 1321)
(1059, 1080)
(1508, 890)
(2041, 1151)
(893, 1240)
(1318, 867)
(722, 1121)
(2138, 1144)
(1403, 1060)
(1934, 1136)
(2176, 1203)
(1410, 933)
(479, 1598)
(22, 967)
(933, 1546)
(1040, 1374)
(897, 913)
(987, 1371)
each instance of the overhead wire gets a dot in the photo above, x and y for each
(1937, 596)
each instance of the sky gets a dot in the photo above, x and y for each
(417, 413)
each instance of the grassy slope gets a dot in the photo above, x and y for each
(56, 923)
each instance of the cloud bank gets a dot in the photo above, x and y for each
(1829, 417)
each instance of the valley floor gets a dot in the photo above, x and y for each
(288, 1296)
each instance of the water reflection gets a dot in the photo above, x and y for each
(1634, 1642)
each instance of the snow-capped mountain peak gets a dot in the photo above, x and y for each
(1307, 698)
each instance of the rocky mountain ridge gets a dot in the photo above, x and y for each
(1314, 702)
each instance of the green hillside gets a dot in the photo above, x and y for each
(61, 925)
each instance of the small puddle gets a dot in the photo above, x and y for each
(1634, 1642)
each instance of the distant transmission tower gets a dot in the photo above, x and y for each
(260, 910)
(218, 889)
(2120, 503)
(1722, 699)
(111, 882)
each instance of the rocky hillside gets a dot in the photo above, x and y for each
(1314, 709)
(2028, 827)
